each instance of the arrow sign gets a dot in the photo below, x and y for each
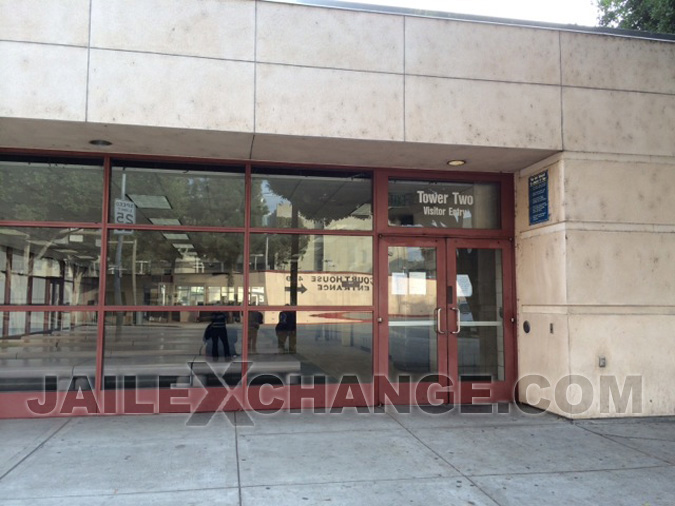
(301, 289)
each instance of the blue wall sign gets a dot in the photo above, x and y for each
(538, 198)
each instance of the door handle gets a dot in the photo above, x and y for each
(438, 321)
(459, 321)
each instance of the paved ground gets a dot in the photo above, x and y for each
(380, 458)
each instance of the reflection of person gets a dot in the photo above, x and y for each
(255, 320)
(215, 337)
(286, 330)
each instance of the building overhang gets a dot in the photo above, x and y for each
(36, 134)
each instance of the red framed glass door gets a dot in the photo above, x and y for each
(445, 321)
(481, 310)
(412, 326)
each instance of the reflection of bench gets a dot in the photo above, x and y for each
(182, 368)
(284, 367)
(138, 365)
(146, 353)
(191, 370)
(31, 373)
(82, 350)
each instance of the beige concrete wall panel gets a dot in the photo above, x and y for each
(555, 197)
(210, 28)
(622, 268)
(619, 122)
(455, 111)
(170, 91)
(54, 21)
(543, 354)
(41, 81)
(540, 269)
(314, 37)
(328, 103)
(633, 345)
(481, 51)
(600, 61)
(596, 191)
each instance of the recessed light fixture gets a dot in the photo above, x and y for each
(165, 221)
(176, 237)
(150, 201)
(101, 143)
(456, 163)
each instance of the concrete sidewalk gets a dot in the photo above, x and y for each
(378, 458)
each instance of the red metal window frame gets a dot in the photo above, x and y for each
(100, 401)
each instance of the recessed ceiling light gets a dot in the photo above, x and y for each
(456, 163)
(9, 231)
(150, 201)
(176, 237)
(165, 221)
(101, 143)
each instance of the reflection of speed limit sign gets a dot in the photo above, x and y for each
(125, 214)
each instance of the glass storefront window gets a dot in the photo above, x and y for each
(151, 349)
(175, 301)
(290, 347)
(160, 349)
(174, 268)
(316, 270)
(52, 350)
(52, 266)
(311, 200)
(444, 204)
(39, 189)
(171, 195)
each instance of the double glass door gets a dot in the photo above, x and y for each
(447, 320)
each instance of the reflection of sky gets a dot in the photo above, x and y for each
(271, 199)
(415, 255)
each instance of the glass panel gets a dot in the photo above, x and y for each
(38, 190)
(311, 270)
(312, 200)
(413, 350)
(178, 195)
(310, 346)
(54, 266)
(47, 350)
(174, 268)
(158, 349)
(442, 204)
(480, 297)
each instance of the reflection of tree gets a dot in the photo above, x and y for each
(279, 248)
(310, 196)
(50, 193)
(319, 199)
(196, 199)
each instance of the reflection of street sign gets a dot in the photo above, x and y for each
(124, 213)
(301, 289)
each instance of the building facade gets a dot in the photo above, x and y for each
(277, 205)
